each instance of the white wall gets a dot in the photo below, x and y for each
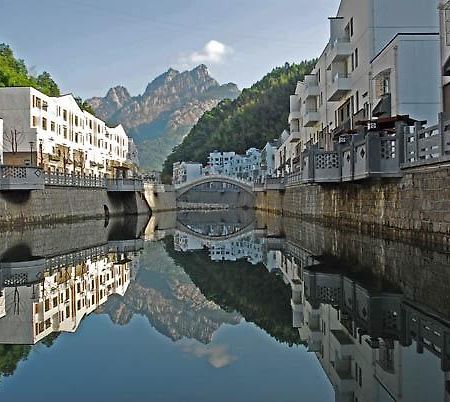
(1, 141)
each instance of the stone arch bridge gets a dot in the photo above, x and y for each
(238, 194)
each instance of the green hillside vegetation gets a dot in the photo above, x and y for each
(14, 73)
(258, 115)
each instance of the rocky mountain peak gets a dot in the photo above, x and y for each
(170, 105)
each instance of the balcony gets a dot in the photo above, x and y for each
(295, 136)
(311, 118)
(339, 87)
(340, 50)
(311, 86)
(294, 103)
(295, 115)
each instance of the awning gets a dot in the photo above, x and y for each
(383, 107)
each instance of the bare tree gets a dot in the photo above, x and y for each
(13, 139)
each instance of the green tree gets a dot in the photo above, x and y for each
(14, 73)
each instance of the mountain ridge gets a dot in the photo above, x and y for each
(160, 117)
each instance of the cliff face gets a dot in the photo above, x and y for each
(170, 106)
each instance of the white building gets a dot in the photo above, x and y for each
(267, 165)
(55, 134)
(185, 172)
(220, 163)
(381, 60)
(286, 153)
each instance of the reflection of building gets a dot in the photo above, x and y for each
(245, 246)
(31, 309)
(54, 133)
(368, 340)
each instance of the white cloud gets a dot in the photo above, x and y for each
(214, 52)
(217, 356)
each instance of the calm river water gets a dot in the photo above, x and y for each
(223, 306)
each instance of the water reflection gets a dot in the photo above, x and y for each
(366, 314)
(54, 290)
(375, 339)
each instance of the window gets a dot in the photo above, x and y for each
(357, 101)
(55, 301)
(353, 61)
(65, 114)
(52, 126)
(47, 305)
(356, 58)
(67, 311)
(34, 122)
(351, 26)
(44, 123)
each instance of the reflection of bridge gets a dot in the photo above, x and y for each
(243, 185)
(232, 236)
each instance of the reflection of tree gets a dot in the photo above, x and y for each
(259, 296)
(10, 356)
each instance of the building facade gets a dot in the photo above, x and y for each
(267, 165)
(185, 172)
(55, 134)
(445, 54)
(380, 61)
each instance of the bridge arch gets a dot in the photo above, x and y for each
(243, 185)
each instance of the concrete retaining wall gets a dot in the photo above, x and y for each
(56, 204)
(416, 207)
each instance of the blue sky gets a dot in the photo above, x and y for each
(90, 45)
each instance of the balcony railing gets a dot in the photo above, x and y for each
(339, 87)
(340, 50)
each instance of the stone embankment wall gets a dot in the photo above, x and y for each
(160, 197)
(422, 274)
(415, 207)
(57, 204)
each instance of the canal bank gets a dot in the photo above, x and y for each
(62, 204)
(415, 207)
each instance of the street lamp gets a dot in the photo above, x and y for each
(31, 152)
(41, 156)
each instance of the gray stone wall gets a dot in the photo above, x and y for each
(415, 207)
(56, 204)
